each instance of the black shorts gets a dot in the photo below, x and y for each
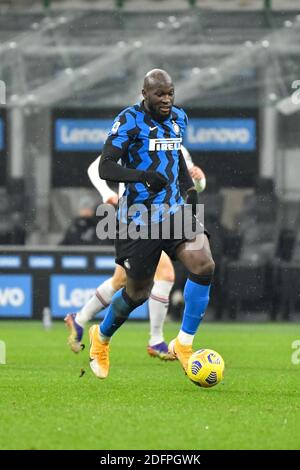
(140, 257)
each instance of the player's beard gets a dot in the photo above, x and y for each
(157, 116)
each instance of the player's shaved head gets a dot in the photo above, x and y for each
(158, 93)
(156, 77)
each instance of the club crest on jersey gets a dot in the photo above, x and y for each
(115, 127)
(127, 264)
(176, 128)
(165, 144)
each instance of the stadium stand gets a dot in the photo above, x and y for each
(93, 58)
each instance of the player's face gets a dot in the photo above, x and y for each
(159, 100)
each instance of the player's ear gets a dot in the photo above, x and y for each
(144, 93)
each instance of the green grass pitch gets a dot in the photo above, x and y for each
(146, 403)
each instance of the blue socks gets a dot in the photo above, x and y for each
(118, 312)
(196, 298)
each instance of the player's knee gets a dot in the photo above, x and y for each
(118, 284)
(165, 270)
(204, 267)
(140, 295)
(118, 281)
(208, 268)
(165, 275)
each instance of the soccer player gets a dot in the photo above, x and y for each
(147, 139)
(163, 280)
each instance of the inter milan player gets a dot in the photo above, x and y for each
(163, 280)
(147, 138)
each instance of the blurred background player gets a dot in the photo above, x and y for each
(82, 229)
(163, 281)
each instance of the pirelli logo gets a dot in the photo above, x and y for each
(165, 144)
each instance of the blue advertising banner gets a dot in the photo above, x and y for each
(10, 261)
(74, 262)
(78, 136)
(15, 295)
(105, 262)
(68, 293)
(225, 143)
(81, 135)
(41, 262)
(221, 135)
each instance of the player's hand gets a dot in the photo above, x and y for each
(199, 178)
(196, 173)
(113, 200)
(154, 181)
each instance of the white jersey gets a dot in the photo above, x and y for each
(100, 184)
(187, 156)
(103, 188)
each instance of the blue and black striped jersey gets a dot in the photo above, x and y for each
(141, 143)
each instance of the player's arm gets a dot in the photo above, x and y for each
(195, 171)
(186, 183)
(187, 157)
(111, 170)
(115, 149)
(107, 194)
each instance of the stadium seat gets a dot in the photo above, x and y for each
(286, 255)
(286, 277)
(244, 282)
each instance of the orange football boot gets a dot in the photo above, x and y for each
(181, 351)
(99, 353)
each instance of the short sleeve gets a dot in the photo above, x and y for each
(121, 134)
(123, 130)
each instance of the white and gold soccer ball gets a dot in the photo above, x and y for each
(205, 368)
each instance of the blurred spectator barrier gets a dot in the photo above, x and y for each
(60, 278)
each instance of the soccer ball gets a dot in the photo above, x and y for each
(205, 368)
